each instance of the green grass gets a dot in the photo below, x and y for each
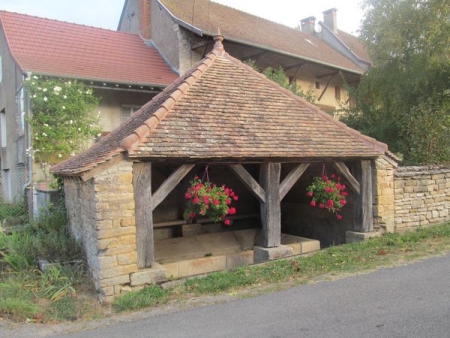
(25, 291)
(334, 261)
(147, 297)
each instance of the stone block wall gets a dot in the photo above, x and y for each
(383, 186)
(422, 196)
(101, 217)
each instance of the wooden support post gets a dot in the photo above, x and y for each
(271, 209)
(249, 181)
(366, 196)
(142, 185)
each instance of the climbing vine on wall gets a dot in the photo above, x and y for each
(63, 120)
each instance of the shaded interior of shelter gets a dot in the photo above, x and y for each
(298, 218)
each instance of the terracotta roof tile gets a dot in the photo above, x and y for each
(232, 112)
(239, 26)
(64, 49)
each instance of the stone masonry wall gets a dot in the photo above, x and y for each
(383, 185)
(422, 196)
(101, 217)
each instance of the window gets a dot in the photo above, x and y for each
(337, 92)
(3, 128)
(127, 111)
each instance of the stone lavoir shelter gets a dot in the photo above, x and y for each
(125, 196)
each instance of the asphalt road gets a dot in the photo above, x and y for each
(406, 301)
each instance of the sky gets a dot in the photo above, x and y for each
(106, 13)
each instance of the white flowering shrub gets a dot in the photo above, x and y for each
(63, 118)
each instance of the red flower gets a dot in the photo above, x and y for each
(329, 189)
(321, 205)
(338, 216)
(333, 175)
(330, 204)
(227, 222)
(196, 200)
(216, 202)
(205, 199)
(188, 195)
(344, 193)
(228, 201)
(343, 202)
(312, 203)
(235, 197)
(309, 193)
(232, 211)
(192, 215)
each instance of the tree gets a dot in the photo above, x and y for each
(404, 99)
(279, 76)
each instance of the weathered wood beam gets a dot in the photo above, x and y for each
(342, 168)
(294, 78)
(249, 181)
(271, 210)
(292, 178)
(142, 186)
(170, 183)
(366, 196)
(326, 87)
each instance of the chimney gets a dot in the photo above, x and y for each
(308, 24)
(145, 28)
(330, 19)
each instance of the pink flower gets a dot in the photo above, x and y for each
(321, 205)
(227, 222)
(312, 203)
(228, 201)
(192, 215)
(205, 199)
(235, 197)
(188, 195)
(344, 193)
(343, 202)
(216, 202)
(309, 193)
(338, 216)
(196, 200)
(333, 175)
(329, 189)
(232, 211)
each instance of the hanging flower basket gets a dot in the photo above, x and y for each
(327, 193)
(209, 200)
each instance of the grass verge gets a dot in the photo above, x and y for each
(334, 261)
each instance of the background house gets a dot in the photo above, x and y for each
(123, 71)
(182, 31)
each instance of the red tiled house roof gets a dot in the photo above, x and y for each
(62, 49)
(224, 110)
(204, 17)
